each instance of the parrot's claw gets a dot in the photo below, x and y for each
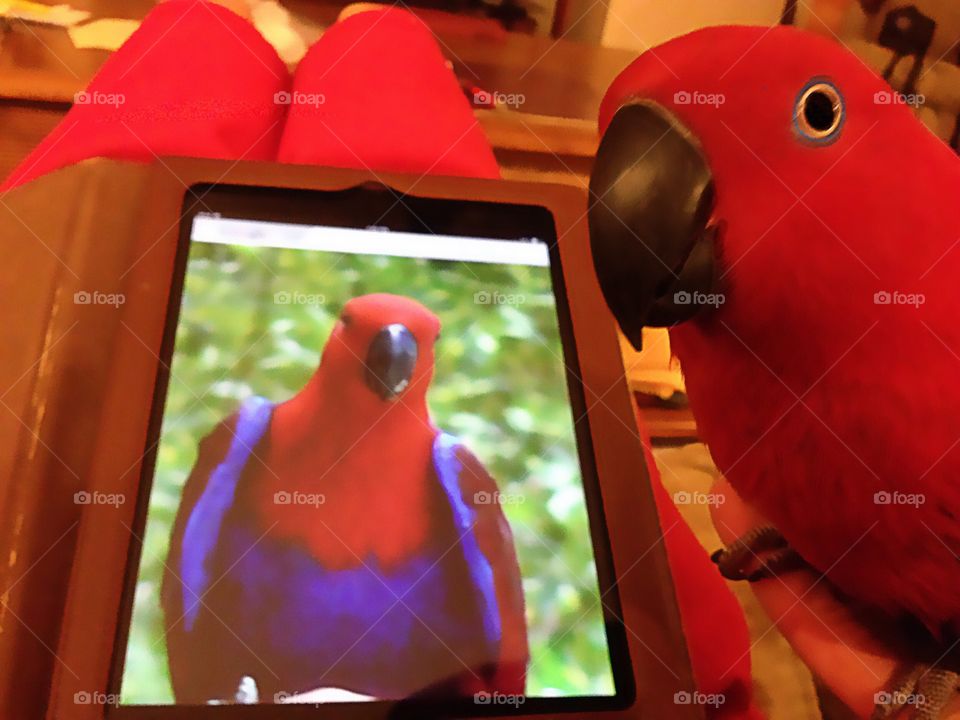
(921, 693)
(761, 553)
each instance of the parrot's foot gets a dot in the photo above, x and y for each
(921, 693)
(761, 553)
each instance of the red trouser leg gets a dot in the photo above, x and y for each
(718, 640)
(194, 80)
(375, 93)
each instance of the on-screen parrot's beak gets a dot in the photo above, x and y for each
(651, 198)
(391, 357)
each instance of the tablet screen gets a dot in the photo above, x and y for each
(366, 482)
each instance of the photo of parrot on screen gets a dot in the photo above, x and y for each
(774, 202)
(339, 539)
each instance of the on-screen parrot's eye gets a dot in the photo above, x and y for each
(346, 319)
(819, 112)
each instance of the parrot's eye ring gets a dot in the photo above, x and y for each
(819, 112)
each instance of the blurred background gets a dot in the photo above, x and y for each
(254, 321)
(535, 72)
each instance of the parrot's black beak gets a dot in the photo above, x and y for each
(391, 357)
(651, 198)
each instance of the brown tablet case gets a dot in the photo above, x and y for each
(77, 382)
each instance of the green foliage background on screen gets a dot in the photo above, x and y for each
(254, 320)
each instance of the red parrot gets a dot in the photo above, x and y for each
(763, 193)
(339, 539)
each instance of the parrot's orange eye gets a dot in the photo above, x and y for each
(818, 115)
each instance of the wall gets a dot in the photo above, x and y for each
(638, 24)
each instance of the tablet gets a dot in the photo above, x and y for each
(376, 424)
(369, 478)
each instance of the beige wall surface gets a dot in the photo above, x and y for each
(639, 24)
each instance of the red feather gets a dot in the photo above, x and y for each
(369, 459)
(811, 395)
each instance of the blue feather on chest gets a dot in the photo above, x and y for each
(376, 631)
(349, 628)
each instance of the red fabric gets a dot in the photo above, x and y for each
(374, 92)
(718, 640)
(195, 79)
(198, 80)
